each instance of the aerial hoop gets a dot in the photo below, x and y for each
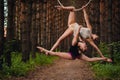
(60, 3)
(78, 8)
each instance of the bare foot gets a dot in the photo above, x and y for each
(47, 53)
(43, 50)
(39, 48)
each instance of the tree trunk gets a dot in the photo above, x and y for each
(34, 31)
(1, 31)
(25, 31)
(43, 25)
(109, 21)
(10, 30)
(17, 20)
(116, 20)
(102, 5)
(10, 26)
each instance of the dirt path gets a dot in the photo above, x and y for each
(62, 70)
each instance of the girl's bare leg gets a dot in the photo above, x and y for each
(83, 57)
(67, 33)
(71, 18)
(64, 55)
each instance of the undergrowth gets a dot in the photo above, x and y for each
(108, 71)
(19, 68)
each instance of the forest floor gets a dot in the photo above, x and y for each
(61, 69)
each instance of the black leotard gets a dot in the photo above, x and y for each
(74, 52)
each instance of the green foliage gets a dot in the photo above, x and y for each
(12, 45)
(104, 48)
(19, 68)
(108, 71)
(116, 51)
(111, 50)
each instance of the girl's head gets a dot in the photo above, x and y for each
(82, 46)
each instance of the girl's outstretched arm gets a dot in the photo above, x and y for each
(95, 46)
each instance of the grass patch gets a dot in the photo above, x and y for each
(106, 71)
(19, 68)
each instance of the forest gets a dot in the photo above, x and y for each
(25, 24)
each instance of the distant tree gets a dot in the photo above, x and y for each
(10, 30)
(106, 20)
(102, 20)
(34, 29)
(10, 23)
(17, 19)
(116, 20)
(1, 31)
(109, 21)
(25, 28)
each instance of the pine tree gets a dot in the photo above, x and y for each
(1, 31)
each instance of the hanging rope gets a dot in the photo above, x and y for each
(78, 8)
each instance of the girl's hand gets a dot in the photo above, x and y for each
(83, 7)
(59, 7)
(109, 60)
